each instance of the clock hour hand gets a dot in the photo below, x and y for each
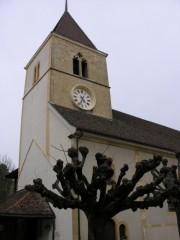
(82, 99)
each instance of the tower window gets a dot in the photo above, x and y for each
(38, 69)
(36, 73)
(80, 65)
(84, 68)
(76, 65)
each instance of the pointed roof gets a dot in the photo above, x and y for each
(67, 27)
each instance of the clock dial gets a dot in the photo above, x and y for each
(83, 98)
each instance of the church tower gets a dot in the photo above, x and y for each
(78, 75)
(68, 71)
(75, 69)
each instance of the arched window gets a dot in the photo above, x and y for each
(122, 232)
(80, 66)
(84, 68)
(38, 69)
(76, 65)
(36, 73)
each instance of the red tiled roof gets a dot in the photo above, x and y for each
(68, 28)
(25, 204)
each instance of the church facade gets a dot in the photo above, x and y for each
(67, 103)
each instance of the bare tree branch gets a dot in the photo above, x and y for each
(101, 202)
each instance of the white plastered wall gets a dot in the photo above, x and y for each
(36, 165)
(158, 222)
(36, 97)
(42, 56)
(59, 130)
(34, 119)
(39, 161)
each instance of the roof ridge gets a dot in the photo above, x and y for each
(142, 119)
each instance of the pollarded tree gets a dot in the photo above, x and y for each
(94, 198)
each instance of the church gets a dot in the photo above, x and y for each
(67, 103)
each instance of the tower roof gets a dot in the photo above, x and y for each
(68, 28)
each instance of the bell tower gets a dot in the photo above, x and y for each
(68, 71)
(78, 77)
(76, 70)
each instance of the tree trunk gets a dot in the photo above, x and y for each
(96, 226)
(177, 207)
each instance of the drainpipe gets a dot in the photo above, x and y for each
(77, 135)
(15, 185)
(53, 232)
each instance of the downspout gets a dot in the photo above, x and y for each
(77, 135)
(15, 185)
(79, 225)
(53, 232)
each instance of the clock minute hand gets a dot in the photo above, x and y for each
(80, 102)
(82, 99)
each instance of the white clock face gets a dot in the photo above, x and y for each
(83, 98)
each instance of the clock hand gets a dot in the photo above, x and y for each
(82, 99)
(79, 103)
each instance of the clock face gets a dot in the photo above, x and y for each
(83, 98)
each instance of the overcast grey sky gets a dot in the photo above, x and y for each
(141, 37)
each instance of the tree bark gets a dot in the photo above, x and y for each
(96, 224)
(177, 208)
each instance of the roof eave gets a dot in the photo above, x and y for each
(26, 216)
(114, 140)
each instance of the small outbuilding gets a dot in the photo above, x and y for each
(26, 215)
